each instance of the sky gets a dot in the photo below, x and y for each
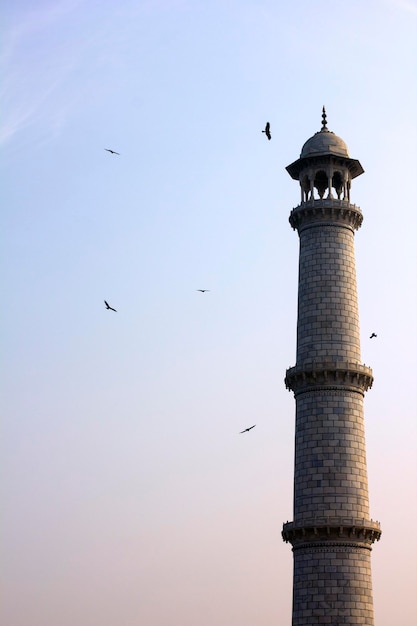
(128, 495)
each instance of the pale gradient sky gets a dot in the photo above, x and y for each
(128, 496)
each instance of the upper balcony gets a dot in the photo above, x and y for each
(311, 212)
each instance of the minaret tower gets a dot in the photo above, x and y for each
(331, 533)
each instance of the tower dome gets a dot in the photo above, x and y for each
(324, 142)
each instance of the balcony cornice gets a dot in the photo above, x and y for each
(339, 530)
(340, 375)
(328, 211)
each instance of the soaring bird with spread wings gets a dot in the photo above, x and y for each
(267, 130)
(112, 151)
(247, 429)
(108, 307)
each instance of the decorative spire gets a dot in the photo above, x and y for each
(324, 120)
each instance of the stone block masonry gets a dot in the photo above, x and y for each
(328, 326)
(330, 458)
(332, 585)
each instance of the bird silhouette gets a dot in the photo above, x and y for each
(247, 429)
(203, 290)
(267, 130)
(112, 151)
(108, 307)
(373, 335)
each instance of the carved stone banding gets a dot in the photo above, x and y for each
(343, 375)
(326, 212)
(333, 530)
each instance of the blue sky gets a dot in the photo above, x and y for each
(128, 495)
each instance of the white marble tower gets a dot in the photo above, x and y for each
(331, 533)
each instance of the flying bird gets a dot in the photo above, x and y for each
(247, 429)
(203, 290)
(108, 307)
(373, 335)
(112, 151)
(267, 130)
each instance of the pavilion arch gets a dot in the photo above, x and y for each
(305, 187)
(337, 183)
(321, 182)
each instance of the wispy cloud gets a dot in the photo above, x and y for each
(406, 5)
(60, 57)
(31, 23)
(31, 77)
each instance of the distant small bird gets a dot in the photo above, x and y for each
(373, 335)
(203, 290)
(247, 429)
(267, 130)
(112, 151)
(108, 307)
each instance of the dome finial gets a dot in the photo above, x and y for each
(324, 119)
